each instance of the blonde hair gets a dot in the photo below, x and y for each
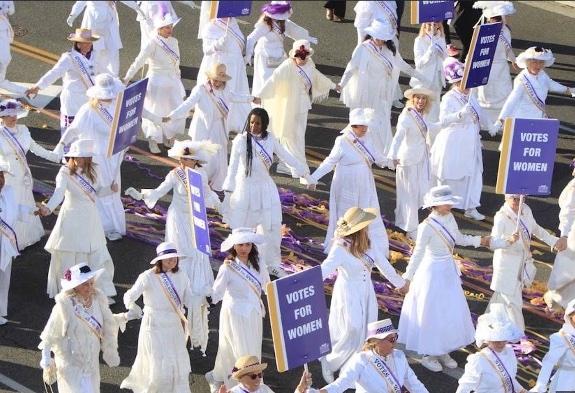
(370, 344)
(358, 242)
(422, 31)
(411, 104)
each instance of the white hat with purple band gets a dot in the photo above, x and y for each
(165, 250)
(380, 329)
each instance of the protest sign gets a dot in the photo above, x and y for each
(127, 117)
(527, 156)
(298, 316)
(480, 56)
(198, 214)
(431, 11)
(227, 9)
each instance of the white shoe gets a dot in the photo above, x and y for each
(398, 104)
(447, 361)
(3, 321)
(412, 235)
(325, 371)
(276, 271)
(153, 146)
(474, 214)
(112, 236)
(214, 385)
(431, 363)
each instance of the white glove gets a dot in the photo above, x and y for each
(496, 243)
(134, 312)
(497, 127)
(132, 192)
(221, 43)
(46, 361)
(572, 91)
(308, 180)
(493, 130)
(312, 40)
(111, 358)
(71, 19)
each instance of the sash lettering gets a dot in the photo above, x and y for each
(464, 100)
(262, 153)
(172, 295)
(104, 114)
(443, 232)
(276, 29)
(569, 339)
(83, 314)
(378, 53)
(538, 102)
(218, 102)
(237, 36)
(253, 282)
(506, 44)
(85, 75)
(367, 261)
(18, 149)
(360, 147)
(385, 372)
(84, 185)
(388, 13)
(502, 372)
(6, 230)
(169, 51)
(419, 121)
(304, 78)
(182, 176)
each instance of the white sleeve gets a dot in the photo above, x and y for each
(388, 271)
(555, 87)
(220, 283)
(348, 376)
(512, 99)
(230, 180)
(260, 29)
(333, 260)
(399, 137)
(423, 237)
(288, 158)
(329, 163)
(140, 60)
(295, 31)
(43, 152)
(136, 291)
(567, 205)
(557, 349)
(151, 197)
(352, 66)
(78, 7)
(58, 195)
(182, 111)
(471, 377)
(56, 72)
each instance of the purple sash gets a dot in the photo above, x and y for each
(379, 55)
(389, 13)
(385, 372)
(171, 53)
(6, 230)
(538, 102)
(84, 73)
(263, 154)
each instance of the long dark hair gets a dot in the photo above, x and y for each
(265, 119)
(281, 23)
(389, 44)
(159, 269)
(88, 169)
(253, 257)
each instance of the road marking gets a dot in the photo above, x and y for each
(14, 385)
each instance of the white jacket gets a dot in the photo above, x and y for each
(562, 356)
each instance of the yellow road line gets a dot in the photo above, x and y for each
(35, 50)
(32, 55)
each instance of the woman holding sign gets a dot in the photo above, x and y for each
(353, 302)
(162, 363)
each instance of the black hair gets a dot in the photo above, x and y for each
(77, 49)
(253, 257)
(265, 119)
(389, 44)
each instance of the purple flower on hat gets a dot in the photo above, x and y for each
(453, 69)
(278, 8)
(68, 275)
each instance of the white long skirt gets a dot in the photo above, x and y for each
(164, 94)
(492, 96)
(435, 318)
(216, 168)
(467, 188)
(110, 206)
(513, 304)
(561, 283)
(381, 128)
(412, 183)
(30, 231)
(294, 142)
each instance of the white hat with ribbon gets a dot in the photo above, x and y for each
(11, 107)
(381, 30)
(165, 250)
(77, 275)
(380, 329)
(535, 53)
(200, 151)
(81, 148)
(163, 20)
(496, 326)
(241, 236)
(440, 195)
(360, 116)
(106, 87)
(495, 8)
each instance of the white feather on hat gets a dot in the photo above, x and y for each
(200, 151)
(495, 8)
(535, 53)
(496, 326)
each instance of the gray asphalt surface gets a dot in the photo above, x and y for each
(42, 25)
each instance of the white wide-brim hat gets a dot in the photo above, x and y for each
(380, 329)
(165, 250)
(11, 107)
(409, 93)
(83, 35)
(535, 53)
(279, 10)
(81, 148)
(241, 236)
(440, 195)
(200, 151)
(495, 8)
(496, 326)
(4, 166)
(106, 87)
(77, 275)
(165, 20)
(381, 30)
(360, 117)
(297, 44)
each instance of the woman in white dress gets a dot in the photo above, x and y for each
(77, 68)
(162, 363)
(179, 230)
(351, 159)
(268, 39)
(16, 141)
(80, 326)
(561, 356)
(435, 286)
(370, 76)
(165, 90)
(494, 368)
(239, 285)
(71, 239)
(410, 151)
(513, 267)
(492, 96)
(252, 198)
(211, 102)
(353, 304)
(6, 38)
(288, 94)
(377, 366)
(456, 156)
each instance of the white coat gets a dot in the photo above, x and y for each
(6, 32)
(368, 11)
(10, 213)
(358, 374)
(562, 356)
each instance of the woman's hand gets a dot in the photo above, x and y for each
(305, 382)
(338, 88)
(513, 238)
(257, 100)
(42, 211)
(223, 389)
(33, 91)
(404, 289)
(561, 244)
(166, 119)
(485, 241)
(114, 187)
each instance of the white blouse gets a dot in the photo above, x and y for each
(162, 56)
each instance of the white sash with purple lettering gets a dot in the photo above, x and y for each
(84, 316)
(276, 29)
(443, 233)
(502, 372)
(182, 176)
(169, 51)
(262, 153)
(218, 102)
(237, 36)
(421, 124)
(506, 44)
(360, 147)
(6, 230)
(254, 284)
(367, 261)
(18, 149)
(464, 100)
(78, 61)
(104, 114)
(385, 373)
(304, 78)
(378, 53)
(173, 297)
(538, 102)
(391, 17)
(569, 339)
(84, 185)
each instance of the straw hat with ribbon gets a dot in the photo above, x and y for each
(165, 250)
(241, 236)
(247, 365)
(83, 35)
(77, 275)
(354, 219)
(217, 72)
(535, 53)
(409, 93)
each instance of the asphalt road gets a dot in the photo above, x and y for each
(42, 25)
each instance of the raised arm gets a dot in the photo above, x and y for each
(151, 196)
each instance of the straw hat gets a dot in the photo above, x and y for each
(83, 35)
(409, 93)
(381, 30)
(360, 116)
(453, 69)
(165, 250)
(200, 151)
(81, 148)
(495, 8)
(218, 72)
(440, 195)
(279, 10)
(247, 365)
(241, 236)
(354, 219)
(106, 87)
(496, 326)
(380, 329)
(535, 53)
(11, 107)
(165, 20)
(301, 44)
(77, 275)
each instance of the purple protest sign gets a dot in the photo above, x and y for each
(127, 117)
(299, 319)
(480, 56)
(431, 11)
(527, 156)
(230, 8)
(199, 216)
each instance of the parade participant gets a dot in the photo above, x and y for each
(224, 43)
(239, 285)
(410, 154)
(531, 86)
(352, 156)
(464, 21)
(211, 102)
(252, 198)
(561, 356)
(15, 143)
(429, 51)
(162, 363)
(353, 302)
(6, 38)
(80, 326)
(434, 283)
(288, 94)
(179, 230)
(370, 76)
(376, 366)
(461, 118)
(71, 239)
(165, 90)
(101, 17)
(493, 369)
(335, 10)
(93, 121)
(268, 39)
(561, 284)
(77, 68)
(492, 96)
(368, 11)
(513, 267)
